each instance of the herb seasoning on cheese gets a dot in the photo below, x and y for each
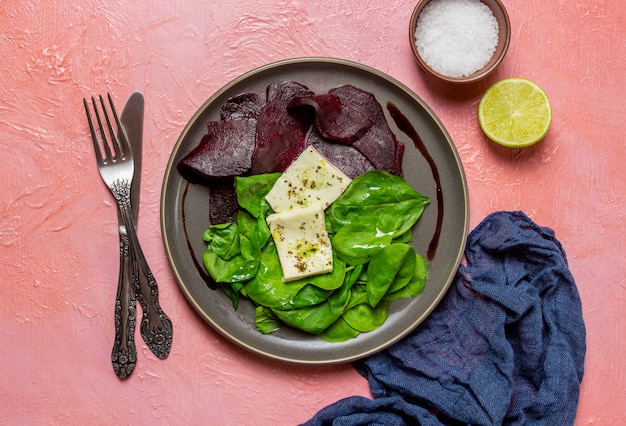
(309, 179)
(302, 242)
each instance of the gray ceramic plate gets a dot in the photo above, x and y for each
(184, 214)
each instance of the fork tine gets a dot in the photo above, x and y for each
(121, 148)
(105, 140)
(124, 144)
(94, 136)
(115, 141)
(118, 141)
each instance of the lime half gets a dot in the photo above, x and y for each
(515, 112)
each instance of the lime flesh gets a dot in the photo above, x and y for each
(515, 112)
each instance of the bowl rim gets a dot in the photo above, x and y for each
(504, 38)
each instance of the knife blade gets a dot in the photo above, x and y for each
(132, 120)
(124, 352)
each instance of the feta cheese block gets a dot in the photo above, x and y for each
(309, 179)
(302, 242)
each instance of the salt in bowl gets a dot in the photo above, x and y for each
(457, 44)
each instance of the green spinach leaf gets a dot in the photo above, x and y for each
(339, 331)
(364, 318)
(265, 320)
(355, 244)
(224, 239)
(392, 267)
(251, 192)
(417, 283)
(315, 319)
(234, 249)
(379, 199)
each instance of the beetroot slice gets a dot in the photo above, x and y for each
(245, 105)
(335, 119)
(347, 158)
(378, 144)
(223, 204)
(280, 135)
(225, 151)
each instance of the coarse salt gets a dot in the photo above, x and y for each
(456, 37)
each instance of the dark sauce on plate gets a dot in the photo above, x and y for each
(210, 282)
(407, 128)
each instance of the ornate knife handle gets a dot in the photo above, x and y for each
(156, 327)
(124, 353)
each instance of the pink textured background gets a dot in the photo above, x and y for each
(58, 241)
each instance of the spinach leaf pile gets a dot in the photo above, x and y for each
(370, 229)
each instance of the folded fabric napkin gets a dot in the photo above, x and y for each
(506, 345)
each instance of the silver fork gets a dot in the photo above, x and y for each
(116, 168)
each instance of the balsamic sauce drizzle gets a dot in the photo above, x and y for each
(405, 126)
(210, 282)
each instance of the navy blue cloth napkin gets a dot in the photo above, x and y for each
(506, 345)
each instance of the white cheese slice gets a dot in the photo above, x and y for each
(309, 179)
(302, 242)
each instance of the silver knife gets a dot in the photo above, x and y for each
(156, 327)
(124, 353)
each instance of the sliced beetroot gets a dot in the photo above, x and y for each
(346, 157)
(225, 151)
(245, 105)
(382, 148)
(280, 135)
(335, 118)
(399, 155)
(222, 201)
(378, 144)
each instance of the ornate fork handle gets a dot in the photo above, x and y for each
(156, 327)
(124, 353)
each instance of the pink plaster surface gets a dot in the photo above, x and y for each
(58, 241)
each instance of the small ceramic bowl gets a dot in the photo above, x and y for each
(504, 36)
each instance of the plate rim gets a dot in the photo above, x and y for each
(171, 166)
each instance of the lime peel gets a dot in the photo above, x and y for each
(515, 112)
